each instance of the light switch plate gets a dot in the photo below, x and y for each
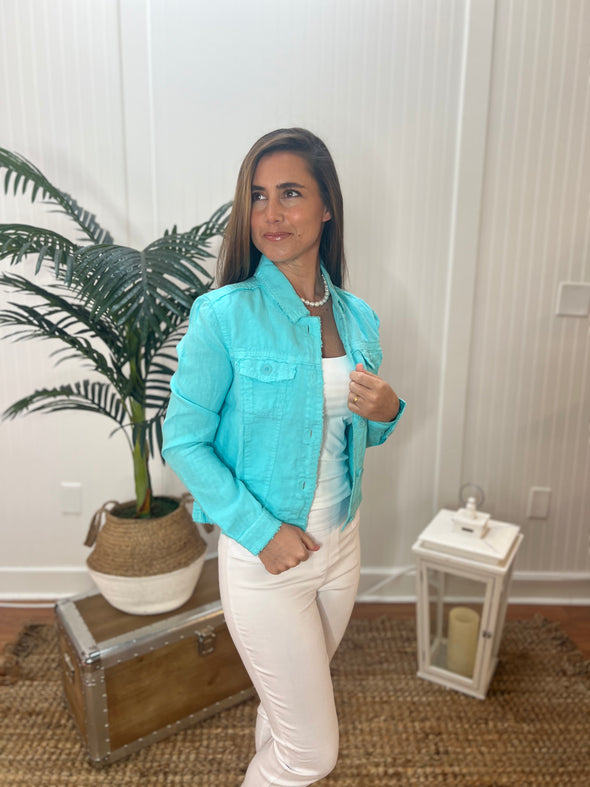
(573, 299)
(539, 501)
(71, 497)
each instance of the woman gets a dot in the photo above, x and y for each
(275, 399)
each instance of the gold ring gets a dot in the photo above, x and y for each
(355, 400)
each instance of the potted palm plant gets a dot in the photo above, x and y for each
(120, 311)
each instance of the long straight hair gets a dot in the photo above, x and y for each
(238, 257)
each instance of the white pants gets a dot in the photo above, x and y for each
(286, 628)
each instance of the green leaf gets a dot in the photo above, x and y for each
(19, 168)
(53, 303)
(139, 288)
(86, 396)
(18, 241)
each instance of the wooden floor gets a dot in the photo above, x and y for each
(574, 620)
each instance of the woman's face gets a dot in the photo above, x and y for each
(288, 212)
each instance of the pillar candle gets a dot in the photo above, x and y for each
(463, 638)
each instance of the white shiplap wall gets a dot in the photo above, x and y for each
(62, 107)
(144, 109)
(528, 408)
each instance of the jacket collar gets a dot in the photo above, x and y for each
(281, 290)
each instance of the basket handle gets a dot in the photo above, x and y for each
(188, 498)
(96, 522)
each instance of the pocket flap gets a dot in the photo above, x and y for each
(265, 370)
(370, 357)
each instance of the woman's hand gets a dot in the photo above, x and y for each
(289, 547)
(371, 397)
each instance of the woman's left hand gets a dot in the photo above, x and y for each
(371, 397)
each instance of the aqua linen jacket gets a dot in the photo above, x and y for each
(243, 429)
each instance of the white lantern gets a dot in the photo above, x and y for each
(464, 566)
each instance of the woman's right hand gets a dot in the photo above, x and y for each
(289, 547)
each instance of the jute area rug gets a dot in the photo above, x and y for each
(533, 730)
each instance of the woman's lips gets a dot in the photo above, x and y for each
(275, 236)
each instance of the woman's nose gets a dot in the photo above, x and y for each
(273, 210)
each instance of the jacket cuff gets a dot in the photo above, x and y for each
(379, 431)
(257, 536)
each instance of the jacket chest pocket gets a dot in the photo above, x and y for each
(370, 355)
(266, 387)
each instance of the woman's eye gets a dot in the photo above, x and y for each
(291, 193)
(257, 196)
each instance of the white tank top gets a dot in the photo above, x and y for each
(330, 502)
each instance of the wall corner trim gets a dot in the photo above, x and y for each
(463, 247)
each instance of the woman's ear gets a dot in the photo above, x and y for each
(327, 215)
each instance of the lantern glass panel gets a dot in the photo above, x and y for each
(455, 605)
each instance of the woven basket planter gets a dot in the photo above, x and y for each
(145, 566)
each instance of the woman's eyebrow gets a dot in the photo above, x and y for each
(288, 185)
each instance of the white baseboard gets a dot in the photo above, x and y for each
(394, 585)
(39, 584)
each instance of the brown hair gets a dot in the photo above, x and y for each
(238, 257)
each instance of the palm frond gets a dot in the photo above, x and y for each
(20, 173)
(76, 319)
(18, 241)
(94, 397)
(30, 324)
(163, 346)
(141, 288)
(192, 245)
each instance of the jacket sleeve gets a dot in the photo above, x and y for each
(198, 390)
(379, 431)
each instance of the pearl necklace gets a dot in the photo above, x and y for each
(323, 300)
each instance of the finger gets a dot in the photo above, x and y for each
(356, 390)
(360, 369)
(361, 391)
(309, 542)
(364, 378)
(359, 373)
(353, 399)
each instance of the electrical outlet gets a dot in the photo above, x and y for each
(539, 500)
(71, 497)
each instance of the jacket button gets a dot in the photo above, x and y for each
(266, 369)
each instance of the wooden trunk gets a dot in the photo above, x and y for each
(131, 680)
